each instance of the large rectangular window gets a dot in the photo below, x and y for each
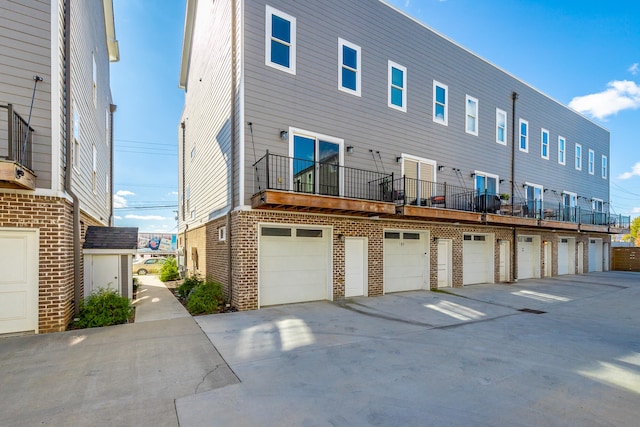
(524, 135)
(349, 67)
(603, 171)
(592, 162)
(544, 144)
(501, 127)
(280, 40)
(562, 150)
(471, 105)
(397, 86)
(534, 194)
(578, 157)
(440, 103)
(315, 167)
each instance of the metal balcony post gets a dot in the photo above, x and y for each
(267, 170)
(10, 131)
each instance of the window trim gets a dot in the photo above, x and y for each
(467, 115)
(562, 150)
(591, 159)
(577, 159)
(477, 173)
(594, 201)
(391, 66)
(222, 233)
(604, 167)
(544, 132)
(270, 12)
(445, 120)
(520, 136)
(341, 44)
(498, 113)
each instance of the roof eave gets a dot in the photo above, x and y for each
(189, 20)
(110, 29)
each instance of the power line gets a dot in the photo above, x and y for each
(146, 142)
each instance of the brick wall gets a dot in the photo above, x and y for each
(195, 253)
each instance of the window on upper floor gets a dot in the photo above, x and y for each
(107, 191)
(107, 126)
(592, 162)
(95, 80)
(349, 70)
(94, 185)
(524, 135)
(440, 103)
(280, 40)
(562, 150)
(397, 86)
(597, 205)
(578, 157)
(501, 127)
(486, 183)
(534, 195)
(471, 106)
(604, 172)
(544, 144)
(76, 135)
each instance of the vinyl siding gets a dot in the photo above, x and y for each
(275, 100)
(25, 51)
(207, 115)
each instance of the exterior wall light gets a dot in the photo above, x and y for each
(284, 135)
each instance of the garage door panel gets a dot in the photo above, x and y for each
(405, 262)
(477, 258)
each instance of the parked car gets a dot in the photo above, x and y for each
(148, 266)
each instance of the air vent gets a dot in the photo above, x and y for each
(532, 311)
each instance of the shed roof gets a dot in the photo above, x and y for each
(111, 238)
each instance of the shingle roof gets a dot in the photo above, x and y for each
(111, 238)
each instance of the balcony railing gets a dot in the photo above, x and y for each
(13, 130)
(275, 172)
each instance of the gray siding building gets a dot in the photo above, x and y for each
(332, 149)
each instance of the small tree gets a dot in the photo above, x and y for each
(169, 270)
(634, 235)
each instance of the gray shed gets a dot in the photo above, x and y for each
(108, 257)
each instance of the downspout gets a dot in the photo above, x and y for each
(183, 125)
(232, 118)
(514, 254)
(77, 294)
(112, 109)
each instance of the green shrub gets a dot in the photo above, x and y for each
(104, 307)
(169, 270)
(187, 286)
(205, 298)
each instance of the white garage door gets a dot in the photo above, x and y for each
(528, 257)
(477, 259)
(18, 281)
(566, 259)
(595, 255)
(405, 261)
(293, 264)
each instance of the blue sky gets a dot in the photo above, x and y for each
(583, 53)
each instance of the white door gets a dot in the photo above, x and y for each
(528, 257)
(566, 255)
(547, 259)
(595, 255)
(18, 280)
(444, 263)
(105, 272)
(355, 266)
(294, 264)
(505, 261)
(405, 263)
(477, 259)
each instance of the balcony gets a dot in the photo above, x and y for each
(286, 183)
(15, 152)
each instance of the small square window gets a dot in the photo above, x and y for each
(222, 234)
(280, 40)
(397, 86)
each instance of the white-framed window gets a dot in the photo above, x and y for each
(578, 157)
(107, 126)
(76, 136)
(524, 135)
(562, 150)
(349, 67)
(605, 166)
(193, 214)
(534, 197)
(544, 144)
(107, 192)
(597, 205)
(94, 184)
(501, 126)
(486, 183)
(95, 80)
(471, 107)
(592, 162)
(440, 103)
(397, 86)
(280, 40)
(222, 233)
(193, 151)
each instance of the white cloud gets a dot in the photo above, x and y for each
(146, 217)
(124, 193)
(173, 193)
(119, 202)
(619, 95)
(117, 217)
(635, 171)
(634, 69)
(635, 211)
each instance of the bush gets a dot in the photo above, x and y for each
(205, 298)
(187, 286)
(104, 307)
(169, 270)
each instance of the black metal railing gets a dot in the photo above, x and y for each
(13, 130)
(275, 172)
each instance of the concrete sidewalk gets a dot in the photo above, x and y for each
(126, 375)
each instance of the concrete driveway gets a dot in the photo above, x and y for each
(467, 357)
